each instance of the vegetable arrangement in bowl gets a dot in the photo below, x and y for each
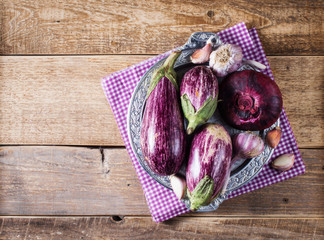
(179, 136)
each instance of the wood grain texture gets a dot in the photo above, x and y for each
(59, 99)
(100, 27)
(67, 181)
(144, 228)
(301, 81)
(83, 181)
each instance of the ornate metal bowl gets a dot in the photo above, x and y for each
(242, 172)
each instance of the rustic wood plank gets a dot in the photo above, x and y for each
(59, 100)
(96, 27)
(82, 181)
(144, 228)
(57, 104)
(302, 85)
(67, 181)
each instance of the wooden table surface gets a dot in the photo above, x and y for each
(64, 170)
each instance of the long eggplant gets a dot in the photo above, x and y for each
(209, 165)
(162, 130)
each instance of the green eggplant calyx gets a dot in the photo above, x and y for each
(189, 111)
(202, 193)
(166, 70)
(201, 116)
(173, 80)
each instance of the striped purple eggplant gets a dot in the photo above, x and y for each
(162, 130)
(199, 92)
(209, 165)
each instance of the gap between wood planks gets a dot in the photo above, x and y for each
(176, 228)
(103, 147)
(74, 181)
(221, 217)
(125, 54)
(99, 27)
(59, 100)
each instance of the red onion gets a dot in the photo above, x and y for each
(249, 100)
(246, 145)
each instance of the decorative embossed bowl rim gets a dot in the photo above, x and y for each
(242, 172)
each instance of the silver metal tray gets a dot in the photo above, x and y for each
(242, 172)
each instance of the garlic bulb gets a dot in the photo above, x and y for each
(202, 55)
(226, 59)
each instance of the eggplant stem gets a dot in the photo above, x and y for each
(190, 130)
(191, 127)
(166, 70)
(170, 61)
(202, 193)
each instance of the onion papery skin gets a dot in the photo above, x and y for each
(250, 100)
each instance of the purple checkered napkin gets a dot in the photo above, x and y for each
(162, 202)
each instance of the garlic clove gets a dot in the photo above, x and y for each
(273, 137)
(284, 162)
(202, 55)
(178, 185)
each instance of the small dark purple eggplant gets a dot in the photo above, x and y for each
(162, 130)
(209, 165)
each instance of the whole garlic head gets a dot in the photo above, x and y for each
(226, 59)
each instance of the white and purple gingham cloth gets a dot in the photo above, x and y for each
(162, 202)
